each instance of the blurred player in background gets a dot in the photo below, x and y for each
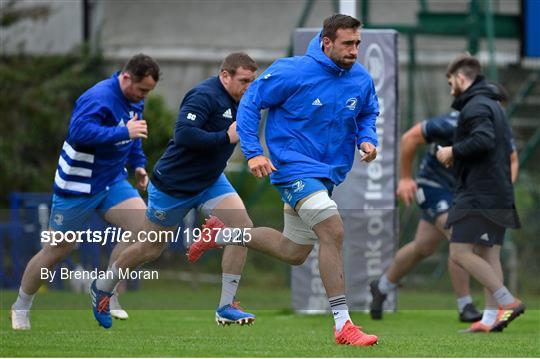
(433, 190)
(483, 204)
(189, 175)
(104, 135)
(321, 108)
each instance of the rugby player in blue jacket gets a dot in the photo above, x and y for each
(433, 189)
(189, 175)
(321, 108)
(104, 135)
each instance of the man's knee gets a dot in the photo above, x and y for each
(457, 252)
(330, 231)
(296, 258)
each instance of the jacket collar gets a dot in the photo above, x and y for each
(117, 90)
(224, 90)
(478, 86)
(315, 51)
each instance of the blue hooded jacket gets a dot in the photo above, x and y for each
(318, 113)
(98, 147)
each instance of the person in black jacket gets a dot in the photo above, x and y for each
(483, 204)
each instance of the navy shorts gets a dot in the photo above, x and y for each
(434, 201)
(477, 229)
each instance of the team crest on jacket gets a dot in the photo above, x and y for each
(298, 186)
(159, 214)
(351, 103)
(58, 219)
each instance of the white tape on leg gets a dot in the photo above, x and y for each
(317, 208)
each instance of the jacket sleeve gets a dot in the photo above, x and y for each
(270, 89)
(195, 111)
(136, 157)
(366, 118)
(87, 129)
(481, 134)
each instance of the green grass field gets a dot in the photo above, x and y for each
(166, 331)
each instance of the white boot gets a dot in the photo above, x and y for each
(20, 319)
(116, 310)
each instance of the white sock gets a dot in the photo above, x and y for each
(463, 301)
(490, 316)
(339, 308)
(385, 286)
(107, 284)
(229, 285)
(503, 296)
(24, 301)
(113, 302)
(228, 236)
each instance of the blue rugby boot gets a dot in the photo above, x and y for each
(100, 306)
(233, 314)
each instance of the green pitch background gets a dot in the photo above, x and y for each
(159, 328)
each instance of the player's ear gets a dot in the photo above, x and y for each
(326, 42)
(126, 76)
(226, 76)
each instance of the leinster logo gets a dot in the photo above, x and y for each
(351, 103)
(58, 219)
(160, 214)
(297, 186)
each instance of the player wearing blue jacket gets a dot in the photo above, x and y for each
(189, 175)
(104, 135)
(321, 107)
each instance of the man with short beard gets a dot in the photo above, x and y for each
(322, 107)
(484, 199)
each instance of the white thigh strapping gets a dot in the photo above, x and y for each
(297, 231)
(317, 208)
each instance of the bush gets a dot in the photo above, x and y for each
(37, 94)
(160, 122)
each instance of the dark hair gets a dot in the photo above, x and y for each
(339, 21)
(140, 66)
(465, 64)
(238, 59)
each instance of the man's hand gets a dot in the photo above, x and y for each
(137, 129)
(261, 166)
(406, 190)
(233, 135)
(142, 178)
(445, 156)
(369, 151)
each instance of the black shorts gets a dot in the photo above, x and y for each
(477, 229)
